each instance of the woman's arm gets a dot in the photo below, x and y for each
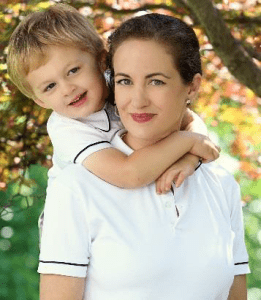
(238, 290)
(58, 287)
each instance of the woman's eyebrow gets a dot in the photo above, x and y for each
(147, 76)
(157, 74)
(122, 74)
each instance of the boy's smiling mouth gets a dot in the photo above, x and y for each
(79, 100)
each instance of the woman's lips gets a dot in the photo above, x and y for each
(142, 118)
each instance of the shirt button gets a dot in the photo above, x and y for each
(172, 226)
(168, 204)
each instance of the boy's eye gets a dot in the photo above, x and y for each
(123, 82)
(49, 87)
(73, 70)
(157, 82)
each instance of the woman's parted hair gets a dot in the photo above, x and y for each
(59, 25)
(179, 39)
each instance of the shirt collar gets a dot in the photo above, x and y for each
(118, 143)
(99, 120)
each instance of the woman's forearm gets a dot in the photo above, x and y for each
(238, 290)
(58, 287)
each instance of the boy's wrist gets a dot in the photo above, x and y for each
(199, 163)
(193, 160)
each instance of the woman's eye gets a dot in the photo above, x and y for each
(74, 70)
(49, 87)
(157, 82)
(123, 82)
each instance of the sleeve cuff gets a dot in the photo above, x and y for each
(199, 163)
(90, 149)
(74, 270)
(241, 268)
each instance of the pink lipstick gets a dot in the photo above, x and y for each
(142, 118)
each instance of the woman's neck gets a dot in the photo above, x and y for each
(137, 143)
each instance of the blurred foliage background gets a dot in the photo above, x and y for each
(230, 109)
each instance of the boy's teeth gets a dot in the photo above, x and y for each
(78, 98)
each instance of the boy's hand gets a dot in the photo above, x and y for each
(178, 172)
(204, 148)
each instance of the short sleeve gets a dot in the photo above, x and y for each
(74, 140)
(241, 265)
(65, 238)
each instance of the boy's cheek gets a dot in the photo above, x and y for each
(41, 103)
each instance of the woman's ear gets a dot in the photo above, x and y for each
(102, 60)
(194, 86)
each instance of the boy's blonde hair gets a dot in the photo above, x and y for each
(59, 25)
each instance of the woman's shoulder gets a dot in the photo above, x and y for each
(222, 175)
(222, 180)
(70, 178)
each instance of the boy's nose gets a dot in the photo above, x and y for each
(68, 88)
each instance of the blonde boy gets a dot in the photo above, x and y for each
(57, 59)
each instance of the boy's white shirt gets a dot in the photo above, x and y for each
(75, 139)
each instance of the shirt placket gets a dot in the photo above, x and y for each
(171, 210)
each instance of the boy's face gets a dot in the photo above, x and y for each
(71, 82)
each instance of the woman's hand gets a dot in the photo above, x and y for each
(178, 172)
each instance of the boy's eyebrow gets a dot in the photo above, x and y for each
(65, 67)
(43, 83)
(147, 76)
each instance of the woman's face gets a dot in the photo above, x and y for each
(149, 91)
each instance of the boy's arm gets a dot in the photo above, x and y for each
(177, 173)
(192, 122)
(145, 165)
(187, 164)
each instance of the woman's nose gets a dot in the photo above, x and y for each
(139, 98)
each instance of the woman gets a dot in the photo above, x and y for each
(115, 244)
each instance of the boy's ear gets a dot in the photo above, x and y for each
(194, 86)
(102, 60)
(41, 103)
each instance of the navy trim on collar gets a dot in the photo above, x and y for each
(108, 122)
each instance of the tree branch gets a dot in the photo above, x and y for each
(251, 50)
(242, 19)
(117, 11)
(232, 53)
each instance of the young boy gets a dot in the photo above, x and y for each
(57, 59)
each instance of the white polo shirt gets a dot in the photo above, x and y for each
(75, 139)
(137, 245)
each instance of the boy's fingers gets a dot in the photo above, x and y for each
(180, 179)
(171, 177)
(158, 186)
